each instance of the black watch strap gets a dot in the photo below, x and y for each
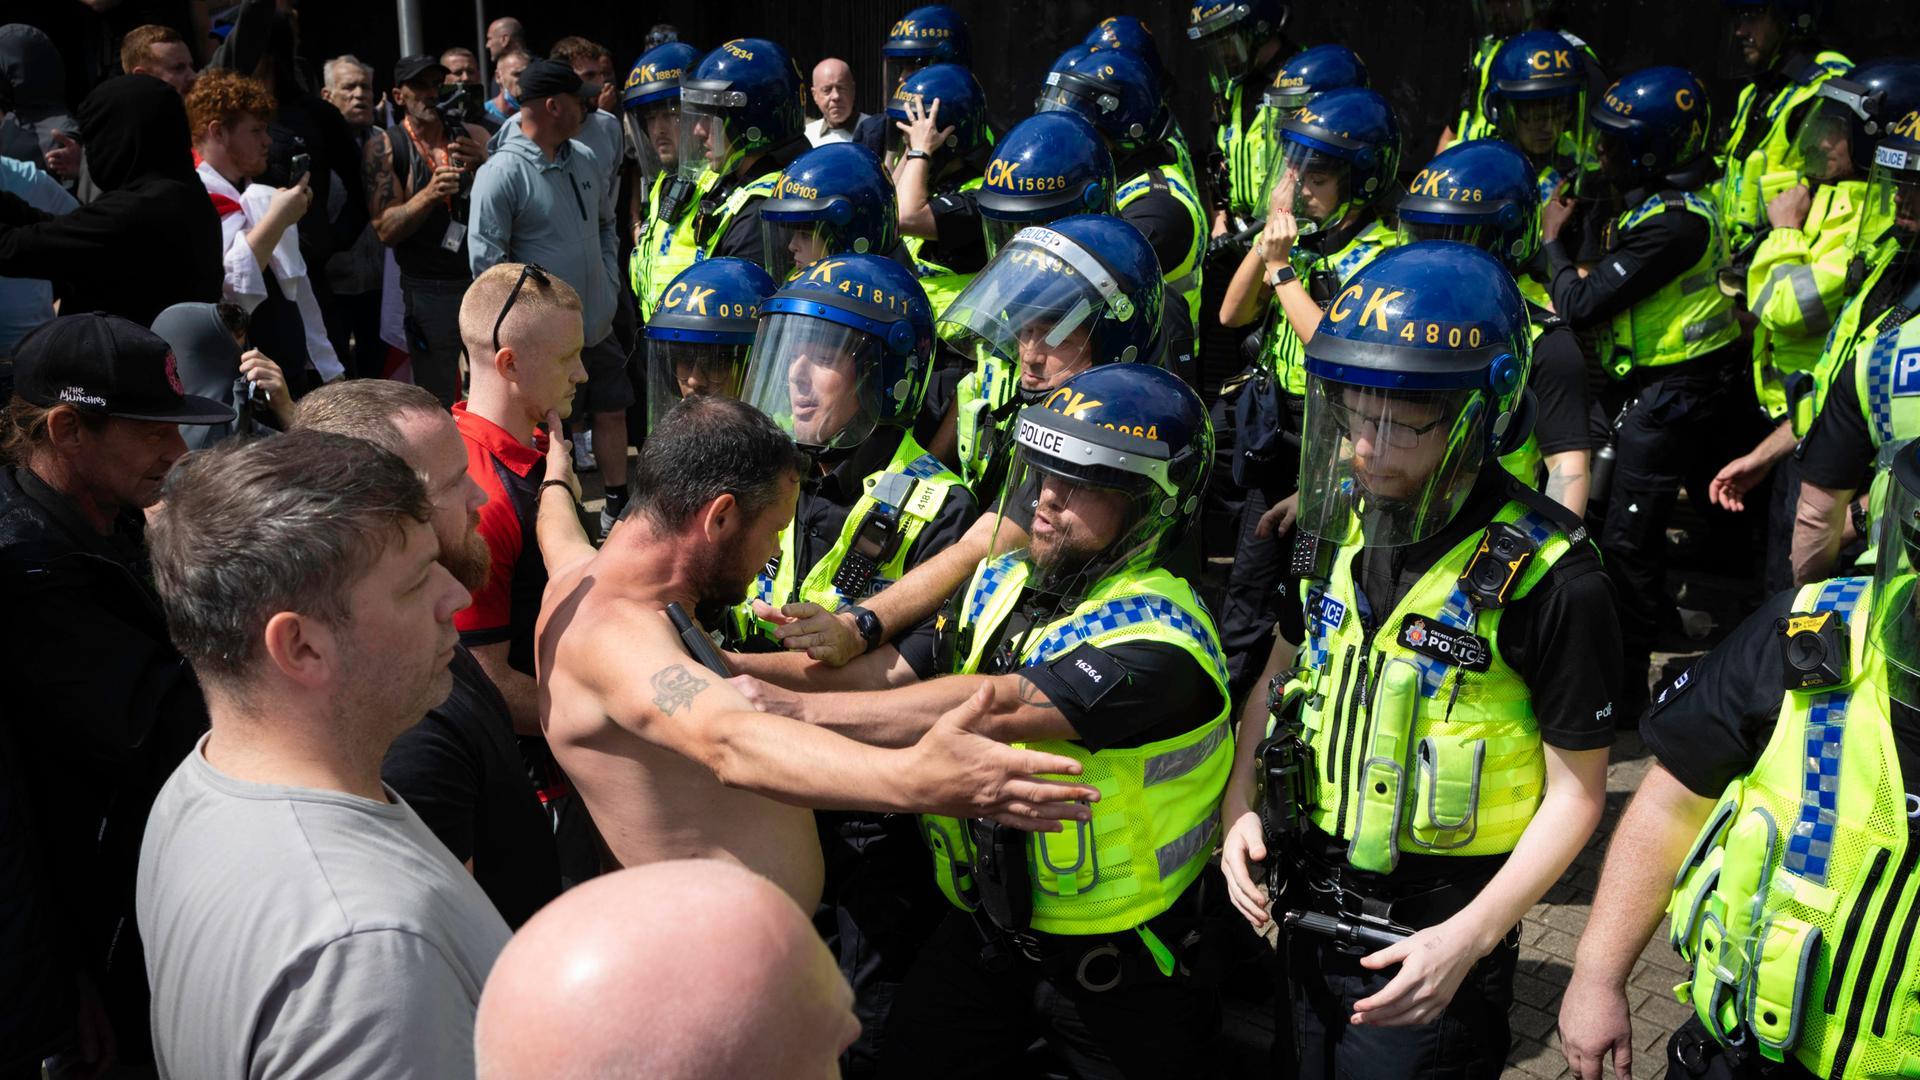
(868, 624)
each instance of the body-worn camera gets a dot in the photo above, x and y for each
(1497, 566)
(1813, 649)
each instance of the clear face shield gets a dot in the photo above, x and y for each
(1484, 235)
(1393, 465)
(1315, 185)
(682, 369)
(653, 130)
(706, 138)
(1546, 129)
(1611, 170)
(1752, 41)
(789, 247)
(1890, 220)
(898, 69)
(1081, 499)
(815, 378)
(1065, 91)
(1226, 46)
(1823, 146)
(1894, 626)
(1034, 307)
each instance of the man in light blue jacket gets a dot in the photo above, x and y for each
(539, 199)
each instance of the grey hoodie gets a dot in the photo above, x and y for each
(31, 65)
(526, 208)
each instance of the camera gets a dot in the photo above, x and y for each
(461, 103)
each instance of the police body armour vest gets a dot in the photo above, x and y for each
(902, 499)
(1153, 829)
(1182, 280)
(942, 283)
(1425, 739)
(1796, 906)
(1245, 144)
(665, 247)
(1795, 286)
(1282, 350)
(1689, 316)
(1756, 175)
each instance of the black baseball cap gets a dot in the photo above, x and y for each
(410, 68)
(547, 78)
(107, 365)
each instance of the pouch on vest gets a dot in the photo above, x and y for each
(1000, 874)
(1699, 873)
(951, 842)
(1376, 826)
(1785, 955)
(1446, 792)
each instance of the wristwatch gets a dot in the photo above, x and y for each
(1281, 275)
(867, 623)
(919, 155)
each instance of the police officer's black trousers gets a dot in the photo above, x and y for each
(1255, 583)
(1469, 1041)
(957, 1018)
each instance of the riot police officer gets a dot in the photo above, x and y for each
(742, 117)
(1536, 99)
(1305, 76)
(1778, 47)
(650, 104)
(1484, 193)
(939, 146)
(933, 34)
(1243, 44)
(1130, 33)
(833, 200)
(1332, 169)
(1494, 22)
(1865, 411)
(1117, 92)
(1668, 335)
(1802, 271)
(1438, 749)
(841, 361)
(702, 332)
(1780, 826)
(1085, 643)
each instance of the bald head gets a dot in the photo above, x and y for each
(682, 970)
(833, 91)
(503, 36)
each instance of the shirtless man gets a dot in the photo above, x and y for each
(673, 762)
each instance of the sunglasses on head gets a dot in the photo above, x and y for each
(540, 279)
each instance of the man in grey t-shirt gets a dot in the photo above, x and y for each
(299, 918)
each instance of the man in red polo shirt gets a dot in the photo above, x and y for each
(522, 330)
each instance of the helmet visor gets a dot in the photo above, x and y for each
(1226, 48)
(1038, 305)
(815, 378)
(1481, 234)
(791, 246)
(1891, 217)
(706, 132)
(680, 369)
(1823, 146)
(1894, 629)
(1546, 129)
(1083, 506)
(1067, 92)
(653, 130)
(1393, 465)
(898, 69)
(1314, 185)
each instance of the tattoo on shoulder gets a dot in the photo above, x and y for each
(674, 688)
(1032, 695)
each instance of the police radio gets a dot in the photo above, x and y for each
(674, 198)
(1813, 649)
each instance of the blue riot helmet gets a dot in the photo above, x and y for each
(963, 107)
(833, 200)
(1335, 156)
(1654, 124)
(1850, 113)
(744, 97)
(843, 348)
(1537, 95)
(1480, 193)
(1059, 298)
(701, 332)
(1047, 166)
(1111, 465)
(1890, 221)
(1113, 90)
(650, 107)
(1416, 382)
(1312, 72)
(934, 34)
(1130, 32)
(1230, 32)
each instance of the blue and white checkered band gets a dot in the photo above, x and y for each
(1811, 842)
(763, 584)
(992, 576)
(1120, 614)
(1458, 611)
(1356, 257)
(1323, 616)
(1880, 380)
(1548, 183)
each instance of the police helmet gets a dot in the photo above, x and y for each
(1312, 72)
(1893, 629)
(1114, 90)
(1126, 429)
(744, 96)
(1416, 380)
(1047, 166)
(1085, 290)
(652, 93)
(1850, 113)
(1230, 32)
(1481, 193)
(1891, 216)
(843, 348)
(963, 107)
(1800, 18)
(1130, 32)
(1349, 136)
(1537, 94)
(701, 332)
(1653, 123)
(833, 200)
(934, 34)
